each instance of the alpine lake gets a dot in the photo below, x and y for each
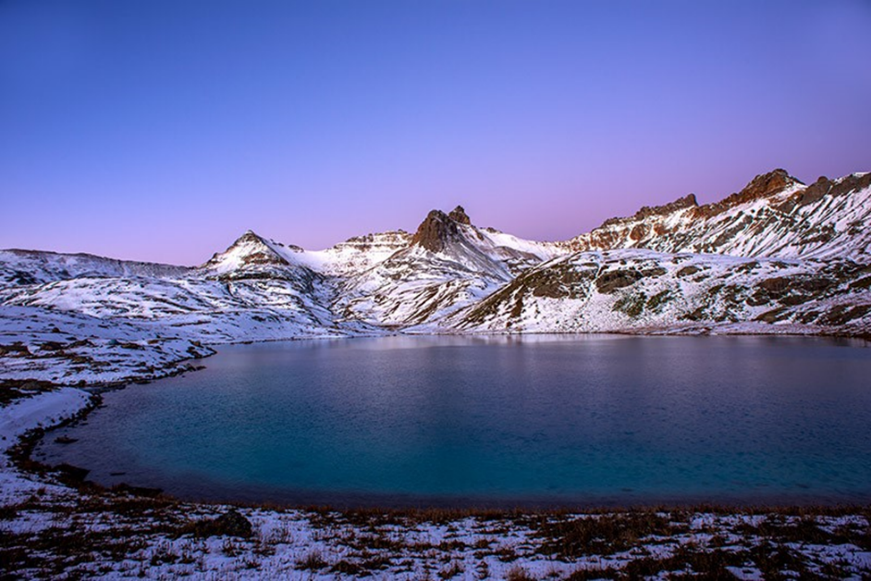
(501, 421)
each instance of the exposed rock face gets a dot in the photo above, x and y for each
(762, 186)
(640, 289)
(688, 201)
(774, 215)
(435, 231)
(458, 214)
(766, 184)
(823, 186)
(439, 228)
(393, 240)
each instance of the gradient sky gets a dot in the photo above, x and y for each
(163, 130)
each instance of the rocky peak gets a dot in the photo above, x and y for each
(763, 186)
(458, 214)
(249, 237)
(248, 249)
(436, 231)
(824, 186)
(768, 184)
(688, 201)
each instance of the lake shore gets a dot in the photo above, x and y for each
(52, 523)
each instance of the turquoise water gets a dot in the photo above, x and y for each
(595, 420)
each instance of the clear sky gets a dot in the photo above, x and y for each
(163, 130)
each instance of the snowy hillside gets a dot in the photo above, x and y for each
(779, 256)
(642, 290)
(774, 215)
(448, 264)
(27, 267)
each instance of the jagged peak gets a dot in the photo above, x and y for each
(769, 183)
(435, 231)
(439, 228)
(688, 201)
(458, 214)
(762, 186)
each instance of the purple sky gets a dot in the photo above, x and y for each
(163, 130)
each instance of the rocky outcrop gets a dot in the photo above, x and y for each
(230, 524)
(688, 201)
(824, 186)
(458, 214)
(774, 215)
(438, 229)
(762, 186)
(622, 290)
(393, 240)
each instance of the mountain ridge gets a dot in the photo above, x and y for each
(761, 187)
(776, 257)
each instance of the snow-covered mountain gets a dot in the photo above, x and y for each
(447, 264)
(27, 267)
(644, 290)
(774, 215)
(779, 256)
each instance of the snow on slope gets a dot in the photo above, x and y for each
(643, 290)
(774, 215)
(359, 253)
(19, 267)
(70, 348)
(451, 276)
(253, 255)
(449, 264)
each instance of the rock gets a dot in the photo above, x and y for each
(435, 231)
(136, 490)
(688, 271)
(72, 475)
(609, 282)
(762, 186)
(458, 214)
(688, 201)
(824, 186)
(766, 184)
(234, 524)
(231, 524)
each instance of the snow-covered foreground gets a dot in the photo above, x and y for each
(53, 525)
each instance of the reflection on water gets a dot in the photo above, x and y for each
(497, 420)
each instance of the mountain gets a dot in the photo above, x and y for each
(774, 215)
(643, 290)
(448, 263)
(27, 267)
(779, 256)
